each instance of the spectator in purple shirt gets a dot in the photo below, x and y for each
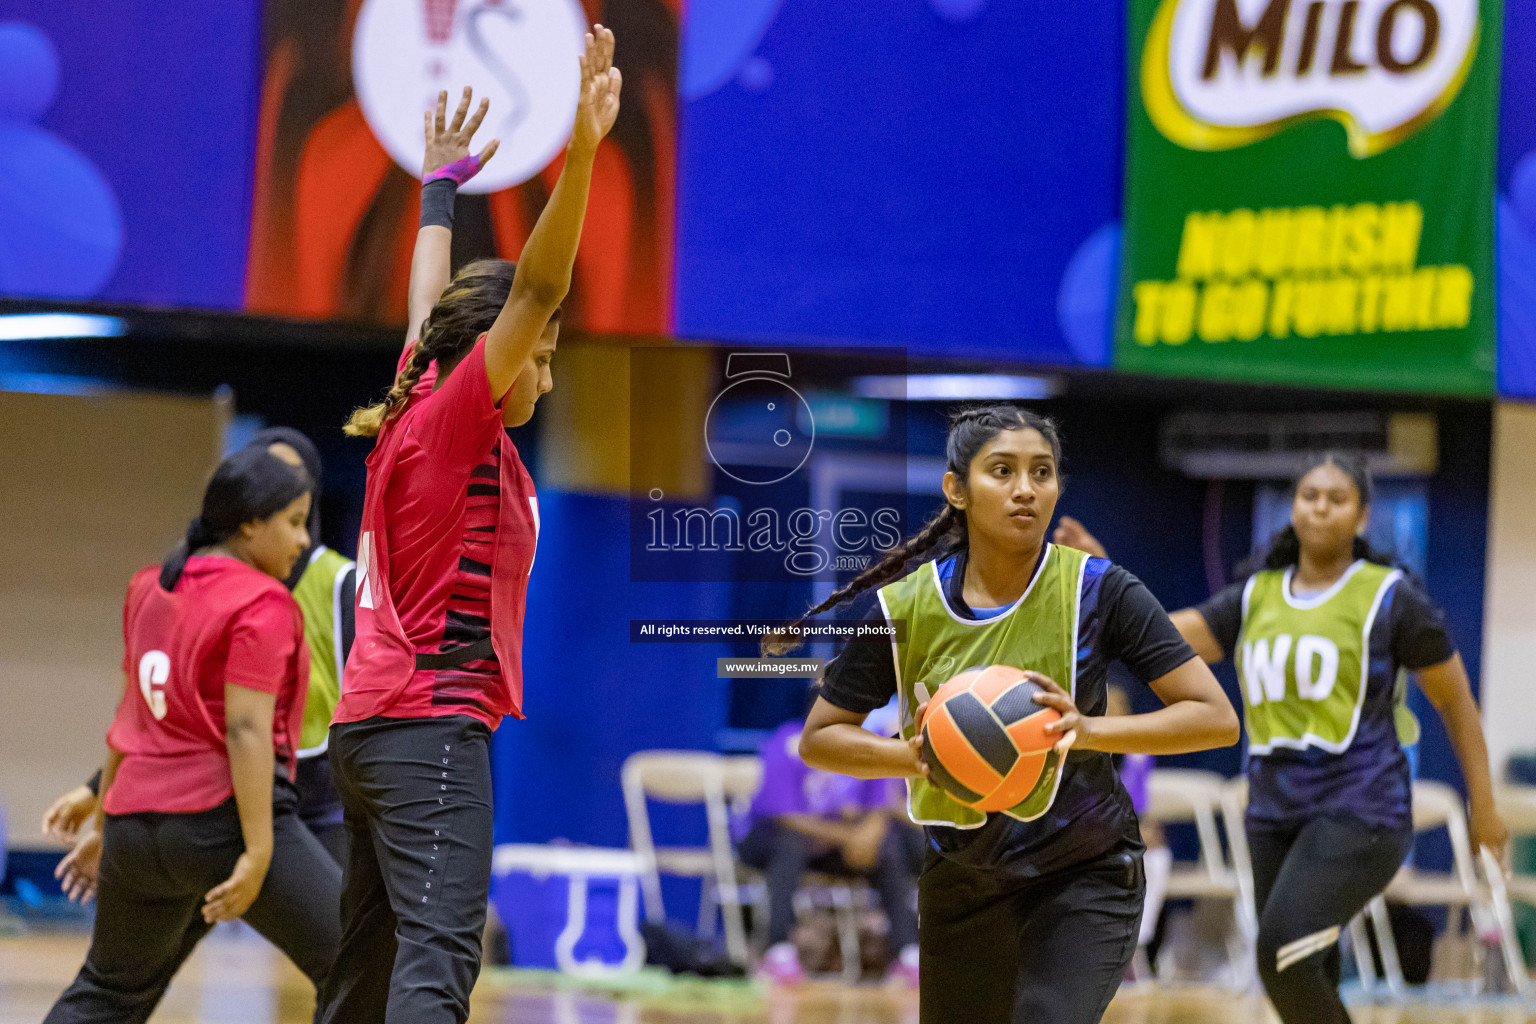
(809, 820)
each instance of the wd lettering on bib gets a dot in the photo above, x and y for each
(1303, 662)
(1039, 633)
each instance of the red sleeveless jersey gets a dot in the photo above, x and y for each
(450, 525)
(226, 622)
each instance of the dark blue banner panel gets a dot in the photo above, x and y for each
(1516, 228)
(938, 174)
(127, 141)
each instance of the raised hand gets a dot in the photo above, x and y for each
(598, 106)
(1073, 534)
(448, 153)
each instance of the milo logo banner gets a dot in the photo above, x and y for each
(1309, 192)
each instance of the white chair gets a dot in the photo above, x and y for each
(1234, 805)
(580, 864)
(722, 785)
(1435, 806)
(1517, 804)
(1360, 943)
(691, 777)
(1185, 796)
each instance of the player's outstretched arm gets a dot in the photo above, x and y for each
(1196, 716)
(1450, 691)
(544, 270)
(448, 164)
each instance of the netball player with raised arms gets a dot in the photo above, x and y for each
(201, 821)
(1030, 915)
(1322, 633)
(450, 522)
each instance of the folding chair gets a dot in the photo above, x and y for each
(691, 777)
(1184, 796)
(1518, 806)
(1436, 805)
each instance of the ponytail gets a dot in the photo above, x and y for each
(467, 309)
(948, 525)
(249, 486)
(970, 430)
(369, 420)
(197, 536)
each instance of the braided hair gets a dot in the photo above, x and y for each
(250, 486)
(467, 309)
(1284, 548)
(971, 429)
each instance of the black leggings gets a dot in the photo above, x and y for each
(1309, 880)
(417, 793)
(155, 871)
(1001, 950)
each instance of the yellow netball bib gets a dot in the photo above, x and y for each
(1038, 633)
(1303, 662)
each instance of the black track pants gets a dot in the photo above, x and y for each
(1003, 950)
(155, 871)
(1309, 880)
(417, 793)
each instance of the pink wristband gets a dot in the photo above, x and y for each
(458, 172)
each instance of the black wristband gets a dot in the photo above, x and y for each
(437, 203)
(94, 783)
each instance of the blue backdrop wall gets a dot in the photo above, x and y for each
(127, 147)
(1517, 205)
(920, 172)
(593, 698)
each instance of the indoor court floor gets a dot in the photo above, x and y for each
(236, 978)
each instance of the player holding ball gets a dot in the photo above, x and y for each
(1028, 914)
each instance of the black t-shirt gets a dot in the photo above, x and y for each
(1118, 621)
(1369, 780)
(1416, 631)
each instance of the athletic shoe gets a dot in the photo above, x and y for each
(904, 967)
(781, 965)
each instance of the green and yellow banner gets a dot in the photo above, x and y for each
(1309, 192)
